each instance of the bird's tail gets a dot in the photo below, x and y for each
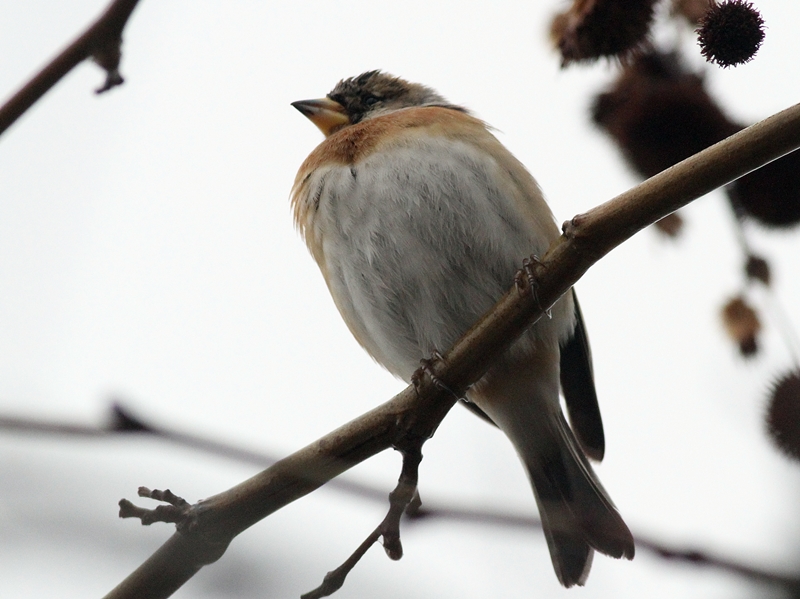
(577, 514)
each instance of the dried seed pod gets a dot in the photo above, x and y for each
(757, 269)
(593, 29)
(691, 10)
(783, 414)
(659, 113)
(730, 33)
(742, 324)
(671, 225)
(771, 195)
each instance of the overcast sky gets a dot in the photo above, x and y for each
(147, 252)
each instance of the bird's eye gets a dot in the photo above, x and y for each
(371, 100)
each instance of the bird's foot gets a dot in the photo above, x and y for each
(525, 280)
(426, 366)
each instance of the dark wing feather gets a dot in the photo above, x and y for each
(577, 384)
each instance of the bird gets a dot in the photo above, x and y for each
(418, 218)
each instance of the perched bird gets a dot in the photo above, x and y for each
(419, 218)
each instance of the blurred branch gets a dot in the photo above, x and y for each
(100, 41)
(416, 412)
(30, 425)
(124, 421)
(702, 558)
(689, 556)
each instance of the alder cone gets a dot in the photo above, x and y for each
(593, 29)
(742, 325)
(757, 269)
(658, 113)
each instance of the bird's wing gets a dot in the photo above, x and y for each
(577, 384)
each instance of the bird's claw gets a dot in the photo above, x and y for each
(529, 280)
(426, 367)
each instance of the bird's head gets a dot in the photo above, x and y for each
(365, 96)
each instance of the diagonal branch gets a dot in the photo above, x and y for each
(100, 41)
(416, 413)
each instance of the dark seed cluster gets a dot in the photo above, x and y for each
(783, 414)
(730, 33)
(593, 29)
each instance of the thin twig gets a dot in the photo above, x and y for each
(403, 496)
(176, 511)
(100, 41)
(334, 579)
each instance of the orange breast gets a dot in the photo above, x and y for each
(351, 144)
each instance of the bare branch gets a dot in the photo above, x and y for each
(177, 510)
(100, 41)
(334, 579)
(415, 413)
(403, 497)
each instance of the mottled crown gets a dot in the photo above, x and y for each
(374, 92)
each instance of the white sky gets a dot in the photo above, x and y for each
(147, 251)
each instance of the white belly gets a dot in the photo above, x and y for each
(420, 241)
